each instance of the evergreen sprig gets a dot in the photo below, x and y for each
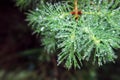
(93, 36)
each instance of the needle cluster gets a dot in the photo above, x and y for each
(94, 36)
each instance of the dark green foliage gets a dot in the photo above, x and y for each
(27, 4)
(23, 4)
(93, 36)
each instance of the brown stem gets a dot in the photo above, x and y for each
(76, 12)
(76, 8)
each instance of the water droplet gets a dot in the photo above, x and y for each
(103, 28)
(36, 9)
(113, 31)
(42, 29)
(105, 53)
(40, 17)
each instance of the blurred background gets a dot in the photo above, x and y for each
(22, 56)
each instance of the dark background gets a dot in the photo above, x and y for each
(16, 37)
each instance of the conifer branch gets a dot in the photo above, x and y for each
(94, 36)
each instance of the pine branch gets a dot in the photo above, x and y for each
(94, 35)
